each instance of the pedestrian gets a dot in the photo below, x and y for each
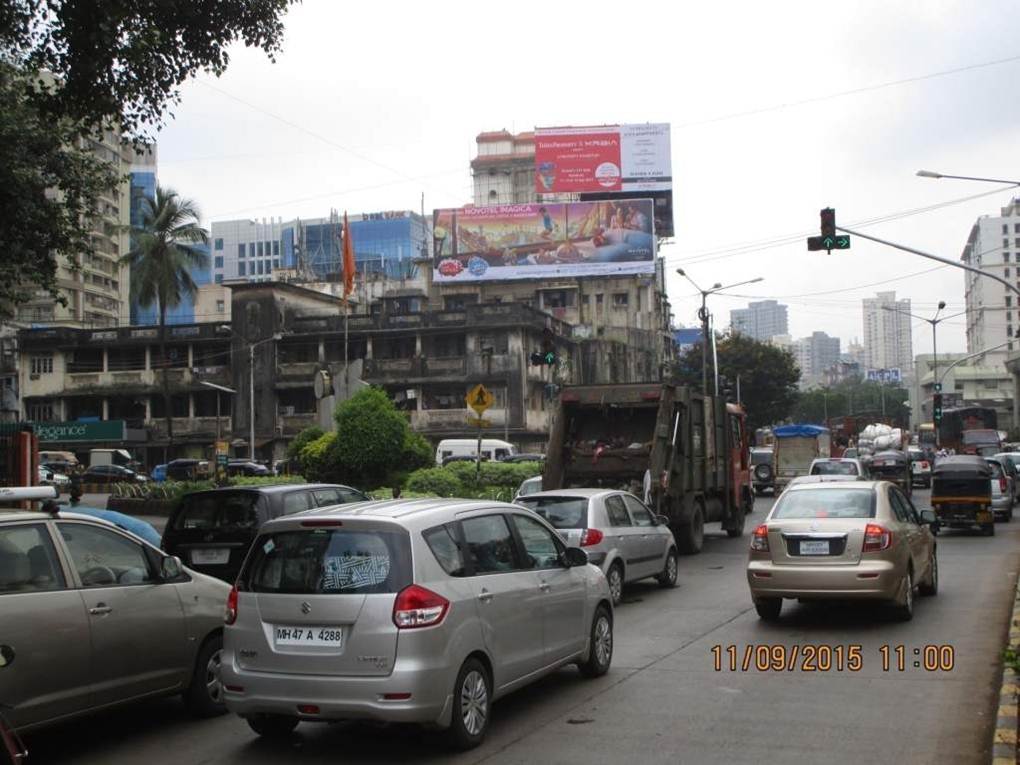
(75, 493)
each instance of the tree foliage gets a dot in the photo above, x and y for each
(123, 61)
(371, 434)
(853, 397)
(302, 439)
(768, 376)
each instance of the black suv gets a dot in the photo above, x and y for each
(763, 470)
(211, 531)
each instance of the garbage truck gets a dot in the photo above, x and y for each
(685, 454)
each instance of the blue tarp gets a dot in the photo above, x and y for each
(799, 431)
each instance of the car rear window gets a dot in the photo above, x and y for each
(219, 510)
(329, 562)
(561, 512)
(761, 458)
(447, 551)
(834, 468)
(826, 503)
(996, 469)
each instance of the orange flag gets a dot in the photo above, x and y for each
(348, 259)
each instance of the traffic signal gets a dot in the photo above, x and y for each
(537, 359)
(936, 409)
(828, 222)
(548, 347)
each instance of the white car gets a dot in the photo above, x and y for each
(529, 486)
(838, 466)
(49, 477)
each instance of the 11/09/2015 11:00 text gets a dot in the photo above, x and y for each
(830, 658)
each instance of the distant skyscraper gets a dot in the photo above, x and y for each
(887, 337)
(760, 320)
(814, 355)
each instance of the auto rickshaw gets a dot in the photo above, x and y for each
(892, 466)
(961, 493)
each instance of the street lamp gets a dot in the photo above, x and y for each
(933, 174)
(275, 337)
(703, 315)
(218, 389)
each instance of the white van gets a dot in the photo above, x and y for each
(492, 449)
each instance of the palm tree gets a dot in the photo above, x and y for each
(162, 258)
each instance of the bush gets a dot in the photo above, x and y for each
(302, 439)
(265, 480)
(502, 474)
(318, 458)
(371, 436)
(435, 481)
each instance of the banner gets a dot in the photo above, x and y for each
(536, 241)
(884, 375)
(67, 432)
(614, 158)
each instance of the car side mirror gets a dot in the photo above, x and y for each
(170, 568)
(6, 655)
(928, 517)
(662, 520)
(575, 556)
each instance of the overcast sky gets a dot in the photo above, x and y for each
(778, 109)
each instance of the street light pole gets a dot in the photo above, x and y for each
(932, 174)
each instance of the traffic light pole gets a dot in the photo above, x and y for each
(936, 387)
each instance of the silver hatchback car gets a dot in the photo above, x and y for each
(416, 611)
(616, 529)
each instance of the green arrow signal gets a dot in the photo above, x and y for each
(828, 242)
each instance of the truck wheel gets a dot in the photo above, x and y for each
(691, 535)
(748, 502)
(738, 530)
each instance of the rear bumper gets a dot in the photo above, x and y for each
(1001, 502)
(342, 698)
(867, 580)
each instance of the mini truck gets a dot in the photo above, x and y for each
(684, 453)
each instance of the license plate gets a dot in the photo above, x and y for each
(213, 556)
(308, 635)
(814, 547)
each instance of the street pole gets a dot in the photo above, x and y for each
(715, 359)
(935, 377)
(251, 401)
(704, 343)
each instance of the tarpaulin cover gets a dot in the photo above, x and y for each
(799, 431)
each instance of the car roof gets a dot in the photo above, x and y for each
(276, 488)
(577, 493)
(421, 513)
(817, 479)
(833, 485)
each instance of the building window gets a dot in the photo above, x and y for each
(261, 270)
(41, 412)
(218, 261)
(1005, 243)
(240, 269)
(269, 267)
(557, 298)
(1016, 242)
(260, 250)
(41, 365)
(1005, 228)
(621, 299)
(240, 250)
(276, 249)
(1007, 272)
(1009, 301)
(218, 244)
(1016, 228)
(251, 249)
(219, 278)
(220, 306)
(276, 264)
(1005, 256)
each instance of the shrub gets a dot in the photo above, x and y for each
(318, 458)
(371, 436)
(504, 474)
(302, 439)
(435, 481)
(265, 480)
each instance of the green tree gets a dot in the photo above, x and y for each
(162, 257)
(854, 397)
(768, 376)
(302, 439)
(373, 438)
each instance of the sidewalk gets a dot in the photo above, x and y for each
(1004, 743)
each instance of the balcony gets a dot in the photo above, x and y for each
(302, 370)
(292, 424)
(198, 427)
(454, 419)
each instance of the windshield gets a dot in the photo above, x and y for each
(834, 468)
(980, 437)
(327, 561)
(996, 469)
(761, 458)
(221, 509)
(826, 503)
(531, 486)
(561, 512)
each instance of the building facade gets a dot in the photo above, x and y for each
(760, 320)
(993, 312)
(970, 382)
(815, 355)
(96, 294)
(503, 172)
(887, 337)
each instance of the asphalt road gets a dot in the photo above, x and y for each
(664, 701)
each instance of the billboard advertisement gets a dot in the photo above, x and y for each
(884, 375)
(539, 241)
(615, 158)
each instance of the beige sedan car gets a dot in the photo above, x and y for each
(847, 540)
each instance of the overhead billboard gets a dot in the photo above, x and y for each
(884, 375)
(575, 160)
(540, 241)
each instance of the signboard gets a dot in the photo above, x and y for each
(603, 159)
(479, 398)
(536, 241)
(478, 422)
(222, 448)
(884, 375)
(69, 432)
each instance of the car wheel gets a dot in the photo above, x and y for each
(904, 607)
(758, 491)
(273, 726)
(600, 654)
(204, 696)
(615, 579)
(692, 534)
(472, 703)
(669, 574)
(989, 529)
(768, 608)
(931, 586)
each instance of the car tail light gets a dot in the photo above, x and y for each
(230, 613)
(760, 539)
(876, 538)
(924, 464)
(417, 607)
(1002, 484)
(591, 537)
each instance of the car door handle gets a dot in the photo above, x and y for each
(544, 586)
(101, 610)
(485, 596)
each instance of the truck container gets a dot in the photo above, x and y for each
(797, 446)
(684, 453)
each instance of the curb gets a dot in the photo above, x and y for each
(1004, 741)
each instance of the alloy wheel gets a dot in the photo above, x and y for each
(603, 640)
(615, 584)
(213, 684)
(474, 702)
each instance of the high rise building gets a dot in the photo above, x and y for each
(992, 310)
(814, 355)
(760, 320)
(887, 336)
(96, 293)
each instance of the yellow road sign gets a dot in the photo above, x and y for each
(479, 398)
(478, 422)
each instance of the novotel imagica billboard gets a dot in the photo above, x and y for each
(537, 241)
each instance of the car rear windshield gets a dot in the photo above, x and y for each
(329, 562)
(834, 468)
(996, 469)
(561, 512)
(761, 458)
(980, 437)
(826, 503)
(218, 510)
